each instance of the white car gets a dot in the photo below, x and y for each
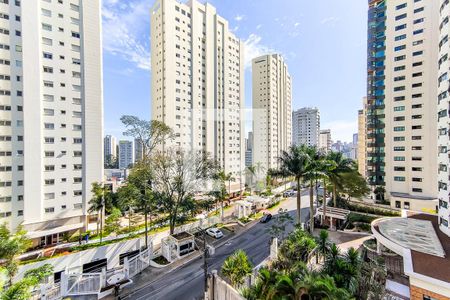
(214, 232)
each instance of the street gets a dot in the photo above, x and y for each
(187, 282)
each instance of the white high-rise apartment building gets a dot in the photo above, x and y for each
(126, 154)
(410, 104)
(51, 114)
(306, 126)
(272, 112)
(444, 118)
(325, 140)
(198, 81)
(110, 147)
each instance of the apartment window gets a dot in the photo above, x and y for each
(406, 205)
(399, 88)
(416, 169)
(399, 138)
(399, 148)
(49, 210)
(49, 168)
(416, 148)
(417, 64)
(416, 106)
(400, 37)
(414, 127)
(399, 169)
(417, 21)
(400, 27)
(399, 178)
(416, 179)
(75, 34)
(49, 181)
(399, 108)
(399, 98)
(399, 158)
(399, 48)
(417, 53)
(399, 68)
(49, 196)
(418, 10)
(399, 119)
(399, 58)
(418, 31)
(77, 193)
(48, 69)
(47, 27)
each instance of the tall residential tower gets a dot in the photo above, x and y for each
(51, 134)
(411, 66)
(306, 126)
(198, 81)
(272, 101)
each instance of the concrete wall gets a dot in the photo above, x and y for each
(73, 263)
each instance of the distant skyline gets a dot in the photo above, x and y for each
(323, 42)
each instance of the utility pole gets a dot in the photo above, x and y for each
(205, 261)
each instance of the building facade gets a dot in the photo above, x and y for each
(198, 81)
(362, 134)
(443, 118)
(272, 102)
(126, 154)
(411, 66)
(325, 140)
(249, 149)
(306, 126)
(375, 130)
(110, 147)
(51, 111)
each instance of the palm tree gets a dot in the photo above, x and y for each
(251, 172)
(221, 192)
(236, 267)
(294, 163)
(98, 203)
(323, 246)
(314, 171)
(342, 165)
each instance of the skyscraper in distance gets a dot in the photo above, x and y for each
(306, 126)
(272, 109)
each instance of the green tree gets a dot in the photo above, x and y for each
(140, 186)
(21, 290)
(149, 134)
(294, 163)
(342, 165)
(236, 267)
(354, 185)
(112, 222)
(128, 196)
(177, 176)
(11, 246)
(379, 192)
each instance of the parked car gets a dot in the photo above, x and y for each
(289, 193)
(266, 218)
(214, 232)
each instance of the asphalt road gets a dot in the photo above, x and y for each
(187, 282)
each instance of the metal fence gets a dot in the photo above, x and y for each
(138, 263)
(82, 284)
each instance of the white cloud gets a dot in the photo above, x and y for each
(258, 26)
(330, 20)
(254, 48)
(296, 24)
(124, 25)
(341, 129)
(239, 18)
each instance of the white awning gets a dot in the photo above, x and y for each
(64, 228)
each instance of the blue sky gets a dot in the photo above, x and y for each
(323, 41)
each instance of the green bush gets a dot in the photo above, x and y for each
(355, 217)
